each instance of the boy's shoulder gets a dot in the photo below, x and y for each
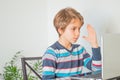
(53, 47)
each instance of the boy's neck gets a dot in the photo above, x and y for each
(65, 43)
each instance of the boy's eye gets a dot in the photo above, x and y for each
(73, 28)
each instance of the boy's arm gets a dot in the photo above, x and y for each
(95, 62)
(96, 59)
(49, 66)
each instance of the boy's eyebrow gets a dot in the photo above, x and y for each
(77, 26)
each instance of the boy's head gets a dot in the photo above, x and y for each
(65, 16)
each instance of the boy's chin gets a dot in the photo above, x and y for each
(73, 42)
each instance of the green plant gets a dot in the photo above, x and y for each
(37, 66)
(13, 70)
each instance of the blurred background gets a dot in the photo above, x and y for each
(27, 25)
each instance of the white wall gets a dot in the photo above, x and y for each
(27, 24)
(23, 26)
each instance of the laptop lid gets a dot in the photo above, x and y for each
(110, 55)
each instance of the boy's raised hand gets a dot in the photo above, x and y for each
(92, 38)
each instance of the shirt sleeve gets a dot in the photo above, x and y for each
(96, 59)
(49, 65)
(93, 63)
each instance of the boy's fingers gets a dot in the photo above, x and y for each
(89, 28)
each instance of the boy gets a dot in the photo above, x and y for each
(65, 59)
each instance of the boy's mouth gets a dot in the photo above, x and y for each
(75, 39)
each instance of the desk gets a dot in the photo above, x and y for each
(89, 77)
(93, 76)
(76, 78)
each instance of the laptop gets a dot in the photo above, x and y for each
(110, 50)
(110, 56)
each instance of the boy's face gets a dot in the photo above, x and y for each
(72, 31)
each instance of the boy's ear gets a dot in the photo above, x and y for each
(60, 31)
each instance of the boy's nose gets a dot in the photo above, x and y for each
(77, 33)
